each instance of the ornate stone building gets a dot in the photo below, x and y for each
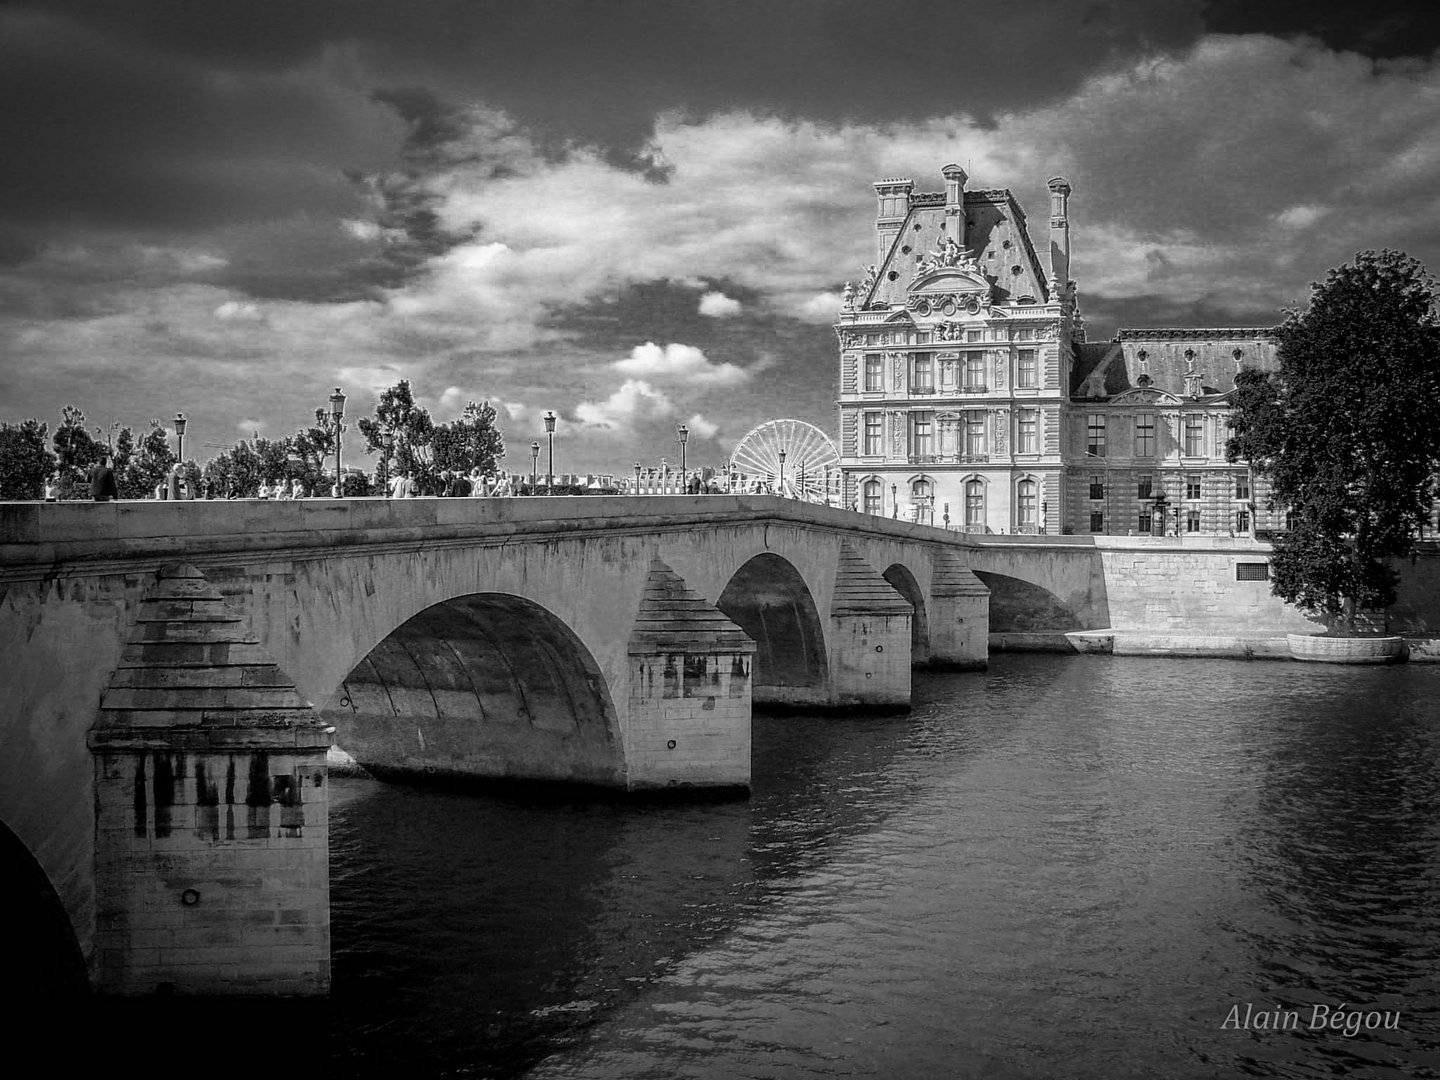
(970, 397)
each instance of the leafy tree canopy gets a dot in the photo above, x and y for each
(25, 459)
(1348, 432)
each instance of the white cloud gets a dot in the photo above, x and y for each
(634, 402)
(248, 429)
(719, 306)
(702, 428)
(454, 399)
(820, 308)
(235, 311)
(1300, 216)
(679, 362)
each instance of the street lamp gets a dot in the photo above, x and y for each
(180, 423)
(1044, 515)
(337, 411)
(637, 478)
(534, 465)
(782, 471)
(683, 434)
(894, 501)
(550, 435)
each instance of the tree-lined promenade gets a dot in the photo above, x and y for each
(416, 456)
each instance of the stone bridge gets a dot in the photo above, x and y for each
(178, 674)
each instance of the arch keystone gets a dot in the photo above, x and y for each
(690, 669)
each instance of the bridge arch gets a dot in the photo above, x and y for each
(903, 582)
(43, 958)
(768, 599)
(1019, 606)
(490, 685)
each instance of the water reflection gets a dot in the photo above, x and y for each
(1068, 867)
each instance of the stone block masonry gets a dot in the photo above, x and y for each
(869, 638)
(690, 687)
(212, 810)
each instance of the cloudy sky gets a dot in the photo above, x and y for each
(641, 212)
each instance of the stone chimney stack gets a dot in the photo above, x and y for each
(1060, 230)
(894, 196)
(955, 202)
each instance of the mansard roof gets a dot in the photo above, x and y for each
(995, 235)
(1194, 364)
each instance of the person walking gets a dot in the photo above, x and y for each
(52, 488)
(102, 481)
(172, 482)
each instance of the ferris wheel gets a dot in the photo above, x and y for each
(786, 457)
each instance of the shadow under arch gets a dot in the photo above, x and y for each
(768, 599)
(43, 959)
(1019, 606)
(903, 582)
(490, 686)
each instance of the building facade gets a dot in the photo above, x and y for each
(969, 397)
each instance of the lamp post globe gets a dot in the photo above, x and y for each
(550, 419)
(782, 471)
(180, 422)
(534, 465)
(682, 434)
(637, 478)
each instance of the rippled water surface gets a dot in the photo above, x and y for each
(1067, 867)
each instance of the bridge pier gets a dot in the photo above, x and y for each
(212, 813)
(690, 686)
(869, 638)
(959, 617)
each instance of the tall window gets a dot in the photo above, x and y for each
(1026, 504)
(974, 433)
(1027, 439)
(1143, 524)
(1194, 436)
(923, 374)
(1144, 487)
(874, 373)
(1192, 520)
(1242, 487)
(975, 371)
(1192, 487)
(874, 497)
(1027, 371)
(1144, 434)
(922, 495)
(1095, 435)
(974, 505)
(1242, 521)
(874, 433)
(1097, 521)
(1097, 487)
(922, 434)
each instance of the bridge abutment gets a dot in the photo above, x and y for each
(690, 687)
(212, 810)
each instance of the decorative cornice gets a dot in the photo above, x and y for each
(1171, 333)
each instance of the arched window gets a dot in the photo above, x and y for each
(922, 497)
(974, 506)
(874, 497)
(1025, 506)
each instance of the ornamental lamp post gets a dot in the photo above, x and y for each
(637, 478)
(534, 465)
(682, 433)
(550, 436)
(1044, 515)
(894, 501)
(180, 423)
(337, 412)
(782, 472)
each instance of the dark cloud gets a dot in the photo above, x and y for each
(1395, 28)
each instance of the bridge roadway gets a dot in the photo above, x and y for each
(176, 674)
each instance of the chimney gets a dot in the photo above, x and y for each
(955, 202)
(1060, 230)
(894, 196)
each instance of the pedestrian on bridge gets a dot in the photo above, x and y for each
(102, 481)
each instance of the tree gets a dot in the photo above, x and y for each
(409, 430)
(148, 464)
(76, 453)
(25, 460)
(1348, 433)
(470, 441)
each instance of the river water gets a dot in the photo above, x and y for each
(1066, 867)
